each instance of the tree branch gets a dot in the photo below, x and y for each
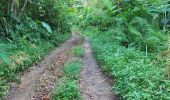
(23, 8)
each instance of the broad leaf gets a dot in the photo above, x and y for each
(48, 28)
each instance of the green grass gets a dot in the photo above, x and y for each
(137, 76)
(17, 56)
(72, 69)
(79, 51)
(68, 89)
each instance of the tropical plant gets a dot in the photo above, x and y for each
(128, 38)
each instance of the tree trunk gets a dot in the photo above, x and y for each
(26, 1)
(13, 6)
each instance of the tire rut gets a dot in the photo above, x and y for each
(39, 80)
(93, 84)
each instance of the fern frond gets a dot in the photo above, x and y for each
(4, 58)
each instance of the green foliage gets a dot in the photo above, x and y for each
(54, 12)
(16, 14)
(132, 21)
(4, 58)
(79, 51)
(137, 76)
(130, 36)
(69, 89)
(28, 31)
(140, 34)
(127, 41)
(47, 27)
(72, 69)
(22, 54)
(3, 87)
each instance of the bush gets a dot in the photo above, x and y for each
(129, 21)
(137, 75)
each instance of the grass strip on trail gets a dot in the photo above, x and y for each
(68, 88)
(78, 51)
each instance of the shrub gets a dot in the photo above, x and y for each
(137, 75)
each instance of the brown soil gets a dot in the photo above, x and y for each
(38, 82)
(93, 84)
(40, 79)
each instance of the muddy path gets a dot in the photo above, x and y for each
(93, 84)
(39, 80)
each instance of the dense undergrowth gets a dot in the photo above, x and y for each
(129, 40)
(28, 31)
(137, 76)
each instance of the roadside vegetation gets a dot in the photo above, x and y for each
(28, 31)
(129, 41)
(136, 75)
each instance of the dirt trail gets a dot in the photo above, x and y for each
(93, 84)
(40, 79)
(38, 82)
